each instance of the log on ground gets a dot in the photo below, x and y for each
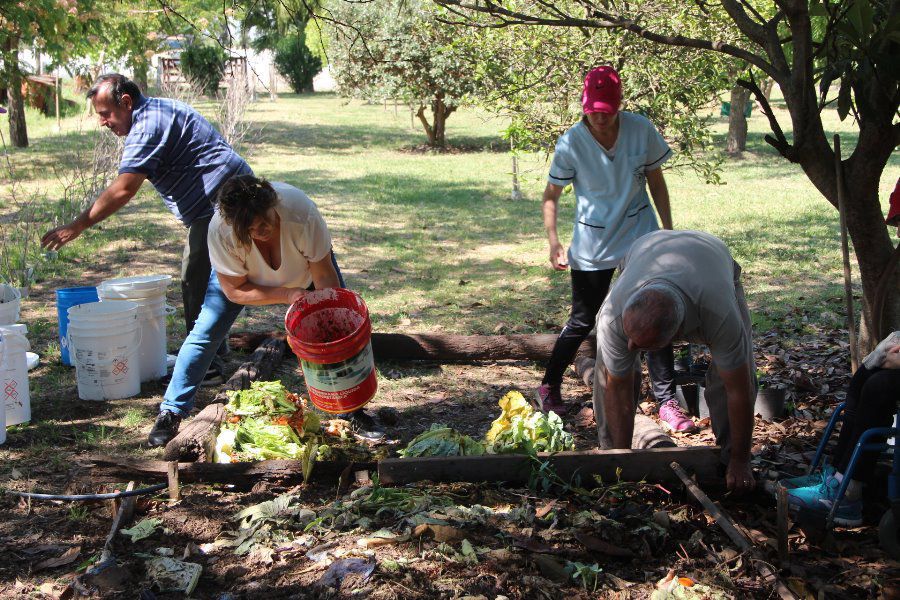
(439, 347)
(242, 475)
(651, 465)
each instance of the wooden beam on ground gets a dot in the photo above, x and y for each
(650, 465)
(440, 347)
(196, 441)
(106, 469)
(723, 520)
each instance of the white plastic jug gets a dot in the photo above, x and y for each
(14, 374)
(10, 300)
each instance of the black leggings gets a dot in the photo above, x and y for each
(589, 289)
(871, 402)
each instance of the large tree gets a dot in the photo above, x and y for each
(809, 48)
(396, 49)
(534, 77)
(59, 27)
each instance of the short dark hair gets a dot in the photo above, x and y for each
(119, 85)
(241, 200)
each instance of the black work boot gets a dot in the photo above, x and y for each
(164, 429)
(364, 425)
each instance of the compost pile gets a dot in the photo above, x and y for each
(518, 430)
(267, 421)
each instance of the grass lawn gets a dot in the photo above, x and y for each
(433, 243)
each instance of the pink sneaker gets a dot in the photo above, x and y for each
(674, 419)
(549, 398)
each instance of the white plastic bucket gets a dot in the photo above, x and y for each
(104, 338)
(149, 293)
(10, 300)
(2, 406)
(126, 288)
(14, 374)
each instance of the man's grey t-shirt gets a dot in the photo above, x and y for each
(701, 268)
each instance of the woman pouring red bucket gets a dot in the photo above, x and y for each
(268, 244)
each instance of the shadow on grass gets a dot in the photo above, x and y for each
(338, 138)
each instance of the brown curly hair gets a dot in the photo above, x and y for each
(241, 200)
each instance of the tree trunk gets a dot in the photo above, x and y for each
(18, 132)
(140, 68)
(439, 110)
(429, 130)
(737, 122)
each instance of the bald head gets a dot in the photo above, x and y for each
(652, 317)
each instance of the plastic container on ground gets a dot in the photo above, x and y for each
(330, 332)
(66, 298)
(14, 374)
(144, 286)
(2, 406)
(149, 293)
(10, 302)
(104, 338)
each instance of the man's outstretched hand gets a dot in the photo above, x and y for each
(60, 236)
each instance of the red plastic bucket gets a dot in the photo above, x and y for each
(330, 332)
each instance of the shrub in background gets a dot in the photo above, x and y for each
(296, 62)
(204, 66)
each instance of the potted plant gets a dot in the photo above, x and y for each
(769, 399)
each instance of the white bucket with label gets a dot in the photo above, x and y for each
(14, 374)
(104, 338)
(10, 300)
(149, 293)
(2, 406)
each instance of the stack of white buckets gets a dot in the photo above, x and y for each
(16, 407)
(120, 341)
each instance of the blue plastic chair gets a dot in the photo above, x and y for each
(889, 527)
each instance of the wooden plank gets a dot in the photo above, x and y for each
(106, 469)
(651, 465)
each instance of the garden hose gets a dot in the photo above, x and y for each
(82, 497)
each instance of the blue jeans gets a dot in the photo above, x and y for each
(199, 348)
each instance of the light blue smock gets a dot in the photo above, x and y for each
(612, 206)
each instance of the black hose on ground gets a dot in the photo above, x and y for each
(82, 497)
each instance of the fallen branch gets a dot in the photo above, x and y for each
(439, 347)
(723, 520)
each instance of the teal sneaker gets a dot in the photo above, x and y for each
(814, 478)
(820, 498)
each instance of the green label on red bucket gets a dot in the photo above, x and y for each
(344, 386)
(330, 332)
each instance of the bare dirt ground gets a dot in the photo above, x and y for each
(552, 540)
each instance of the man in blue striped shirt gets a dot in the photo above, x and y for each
(170, 144)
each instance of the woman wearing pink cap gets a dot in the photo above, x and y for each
(609, 158)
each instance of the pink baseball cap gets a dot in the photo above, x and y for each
(602, 91)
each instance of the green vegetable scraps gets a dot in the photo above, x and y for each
(268, 422)
(518, 430)
(441, 440)
(521, 429)
(263, 397)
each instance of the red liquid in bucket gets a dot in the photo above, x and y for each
(330, 332)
